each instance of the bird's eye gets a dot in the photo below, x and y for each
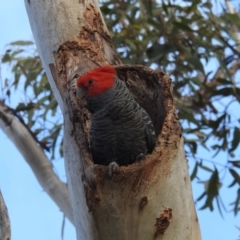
(90, 82)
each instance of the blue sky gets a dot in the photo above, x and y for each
(33, 214)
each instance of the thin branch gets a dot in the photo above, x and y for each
(5, 231)
(229, 7)
(37, 160)
(235, 31)
(213, 84)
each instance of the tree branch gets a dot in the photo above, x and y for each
(36, 159)
(5, 231)
(213, 84)
(235, 31)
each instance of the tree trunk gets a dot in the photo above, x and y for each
(5, 231)
(151, 199)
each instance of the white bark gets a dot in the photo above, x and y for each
(37, 160)
(141, 200)
(5, 232)
(54, 23)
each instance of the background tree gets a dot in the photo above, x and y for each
(178, 40)
(5, 232)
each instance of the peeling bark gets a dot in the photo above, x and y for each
(128, 205)
(163, 221)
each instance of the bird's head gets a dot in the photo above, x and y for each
(96, 82)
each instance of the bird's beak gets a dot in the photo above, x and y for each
(81, 93)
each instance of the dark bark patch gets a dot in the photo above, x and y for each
(93, 19)
(143, 202)
(163, 222)
(93, 36)
(3, 117)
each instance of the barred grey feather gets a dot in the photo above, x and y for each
(121, 130)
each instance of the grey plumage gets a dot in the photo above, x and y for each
(121, 130)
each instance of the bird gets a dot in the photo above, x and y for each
(121, 130)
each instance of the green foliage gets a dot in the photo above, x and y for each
(194, 44)
(37, 107)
